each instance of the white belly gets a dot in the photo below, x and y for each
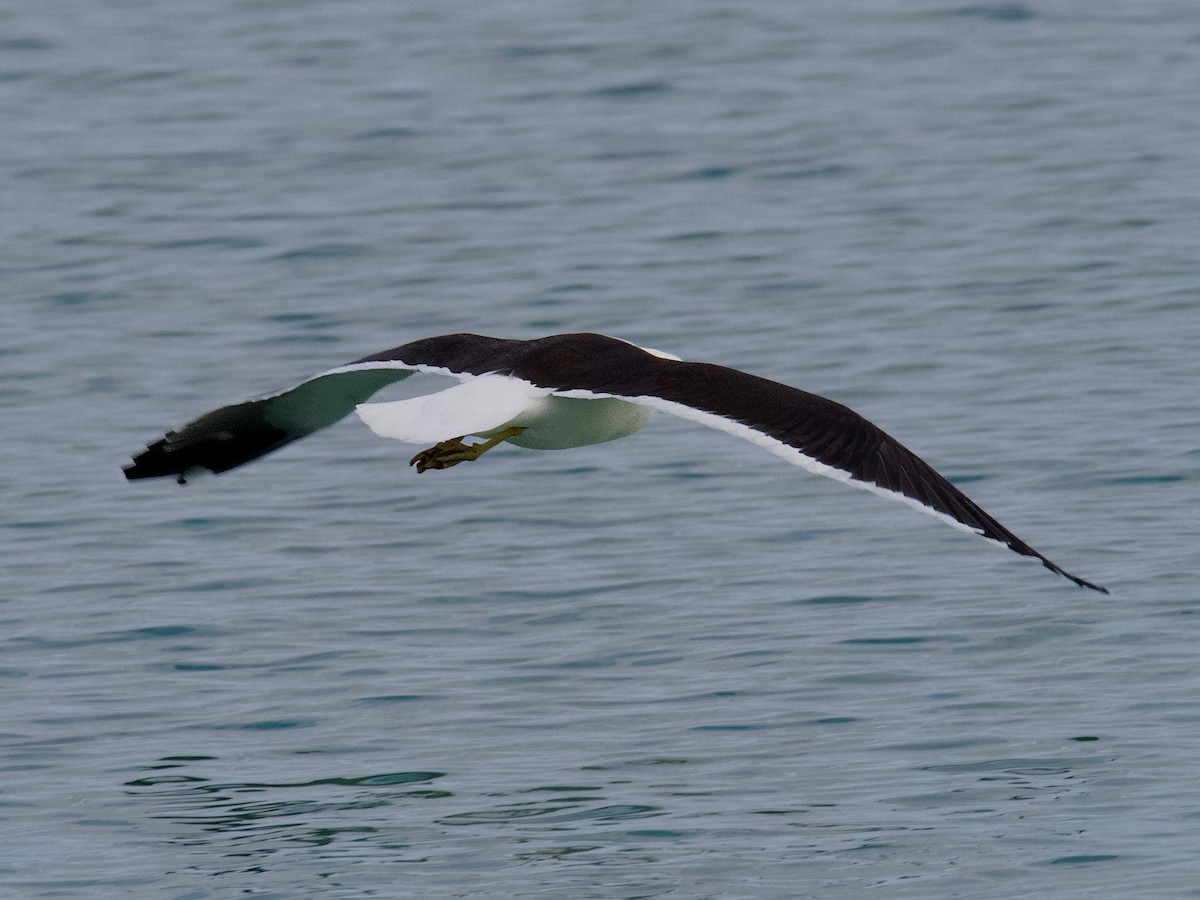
(561, 422)
(487, 405)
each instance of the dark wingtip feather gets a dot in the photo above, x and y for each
(218, 451)
(1083, 583)
(153, 462)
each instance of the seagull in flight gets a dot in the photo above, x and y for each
(568, 390)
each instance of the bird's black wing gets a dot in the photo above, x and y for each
(230, 436)
(810, 431)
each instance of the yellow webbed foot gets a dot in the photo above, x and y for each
(443, 455)
(450, 453)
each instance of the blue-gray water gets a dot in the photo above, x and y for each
(668, 666)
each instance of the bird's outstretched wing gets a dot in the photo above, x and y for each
(227, 437)
(815, 433)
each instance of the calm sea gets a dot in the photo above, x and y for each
(671, 666)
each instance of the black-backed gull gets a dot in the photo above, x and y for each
(568, 390)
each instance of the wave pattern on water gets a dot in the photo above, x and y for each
(661, 667)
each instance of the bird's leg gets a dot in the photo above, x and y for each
(452, 452)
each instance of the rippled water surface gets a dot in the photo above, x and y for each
(668, 666)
